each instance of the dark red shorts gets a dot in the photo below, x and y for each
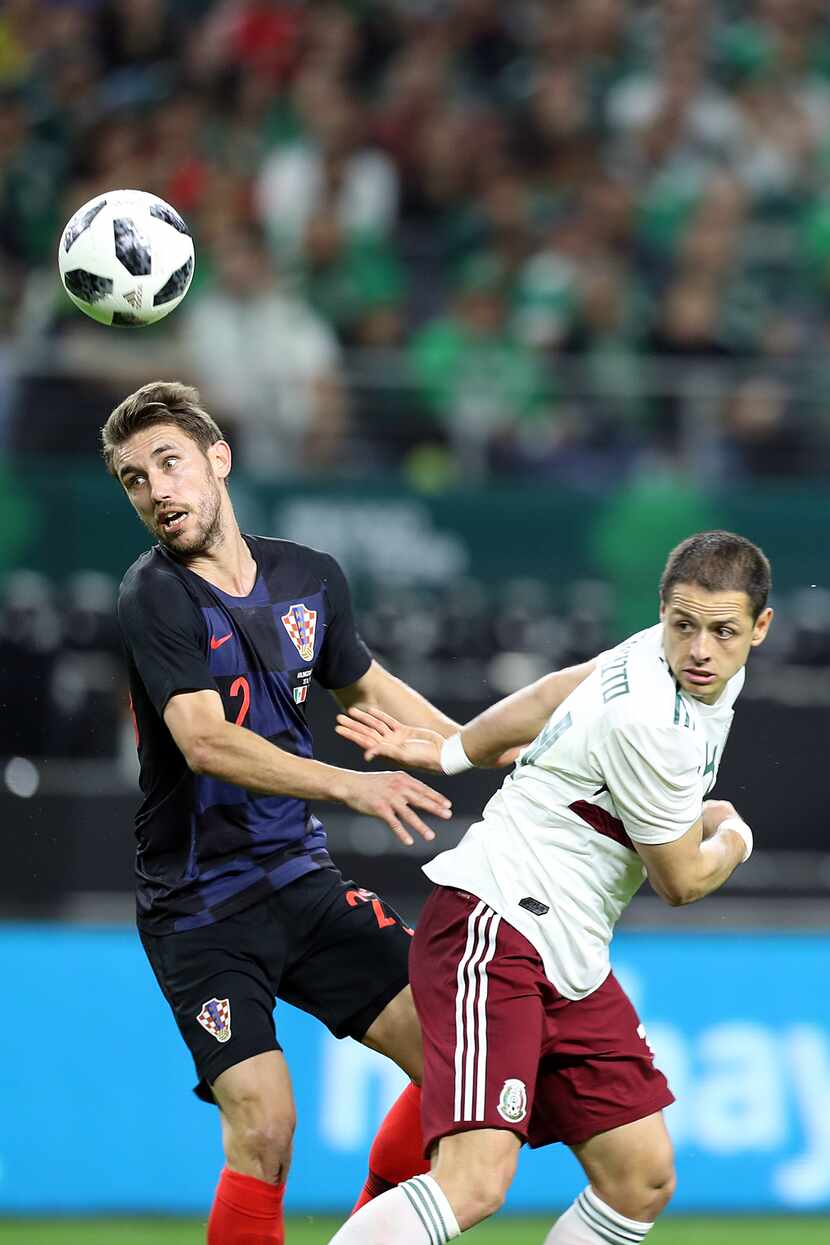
(504, 1049)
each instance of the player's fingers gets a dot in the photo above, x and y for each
(350, 724)
(388, 814)
(430, 803)
(363, 739)
(371, 719)
(425, 792)
(381, 714)
(413, 820)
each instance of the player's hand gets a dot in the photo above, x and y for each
(381, 735)
(714, 812)
(394, 797)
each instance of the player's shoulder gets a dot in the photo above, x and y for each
(278, 556)
(636, 683)
(150, 578)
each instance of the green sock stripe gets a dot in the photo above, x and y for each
(613, 1233)
(436, 1205)
(414, 1197)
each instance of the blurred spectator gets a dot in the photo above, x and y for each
(30, 173)
(330, 165)
(269, 366)
(762, 438)
(479, 381)
(347, 276)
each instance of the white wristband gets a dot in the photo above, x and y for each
(454, 759)
(740, 827)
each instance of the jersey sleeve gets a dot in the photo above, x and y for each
(344, 657)
(652, 776)
(164, 634)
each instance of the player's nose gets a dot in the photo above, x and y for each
(699, 651)
(159, 489)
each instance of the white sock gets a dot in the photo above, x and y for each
(416, 1213)
(588, 1221)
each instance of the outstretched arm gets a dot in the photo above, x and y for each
(211, 745)
(381, 690)
(491, 739)
(518, 719)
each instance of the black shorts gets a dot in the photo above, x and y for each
(320, 943)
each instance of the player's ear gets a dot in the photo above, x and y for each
(762, 622)
(220, 458)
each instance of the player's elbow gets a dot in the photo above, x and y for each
(200, 753)
(676, 892)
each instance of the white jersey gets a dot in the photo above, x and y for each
(627, 758)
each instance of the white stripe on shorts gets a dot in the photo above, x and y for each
(471, 1013)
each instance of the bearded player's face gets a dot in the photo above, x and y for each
(173, 485)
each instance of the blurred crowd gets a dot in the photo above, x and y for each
(452, 238)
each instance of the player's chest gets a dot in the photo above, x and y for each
(277, 642)
(711, 737)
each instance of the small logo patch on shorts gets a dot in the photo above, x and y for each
(512, 1105)
(215, 1016)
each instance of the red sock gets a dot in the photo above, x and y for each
(397, 1152)
(246, 1211)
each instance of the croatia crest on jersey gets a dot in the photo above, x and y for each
(301, 623)
(215, 1017)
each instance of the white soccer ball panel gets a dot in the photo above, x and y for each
(125, 258)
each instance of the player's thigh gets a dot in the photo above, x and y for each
(396, 1033)
(220, 991)
(349, 963)
(476, 984)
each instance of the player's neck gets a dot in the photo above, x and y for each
(229, 564)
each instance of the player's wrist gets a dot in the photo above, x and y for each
(453, 758)
(743, 832)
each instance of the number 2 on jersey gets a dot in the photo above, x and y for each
(242, 687)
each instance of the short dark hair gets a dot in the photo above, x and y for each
(159, 402)
(719, 562)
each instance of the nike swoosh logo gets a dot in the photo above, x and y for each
(214, 643)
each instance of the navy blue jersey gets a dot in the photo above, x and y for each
(207, 848)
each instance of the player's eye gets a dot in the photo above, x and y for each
(172, 458)
(725, 633)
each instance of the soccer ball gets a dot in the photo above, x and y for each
(126, 258)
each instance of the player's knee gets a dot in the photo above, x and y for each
(260, 1141)
(661, 1190)
(642, 1195)
(265, 1147)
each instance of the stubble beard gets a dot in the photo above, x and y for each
(208, 530)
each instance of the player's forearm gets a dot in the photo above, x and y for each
(400, 700)
(716, 860)
(235, 755)
(516, 720)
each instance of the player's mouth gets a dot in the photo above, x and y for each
(700, 678)
(171, 521)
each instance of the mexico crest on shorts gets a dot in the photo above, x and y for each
(215, 1016)
(301, 623)
(512, 1104)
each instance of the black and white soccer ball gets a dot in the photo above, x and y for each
(126, 258)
